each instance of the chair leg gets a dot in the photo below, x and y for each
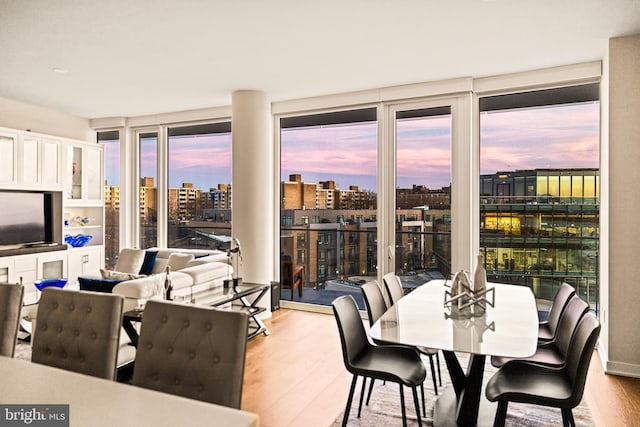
(501, 414)
(567, 418)
(348, 408)
(424, 406)
(433, 374)
(415, 402)
(364, 388)
(370, 390)
(404, 410)
(438, 362)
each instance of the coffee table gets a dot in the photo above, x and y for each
(244, 297)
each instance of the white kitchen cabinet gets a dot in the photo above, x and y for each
(8, 158)
(38, 163)
(84, 174)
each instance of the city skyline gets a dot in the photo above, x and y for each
(565, 137)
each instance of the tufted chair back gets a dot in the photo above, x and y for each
(78, 331)
(11, 297)
(192, 351)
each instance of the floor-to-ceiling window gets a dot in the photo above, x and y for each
(539, 189)
(199, 186)
(111, 143)
(328, 215)
(147, 189)
(423, 195)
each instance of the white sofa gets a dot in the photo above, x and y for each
(195, 274)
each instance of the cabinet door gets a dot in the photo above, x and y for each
(84, 262)
(73, 172)
(26, 272)
(6, 270)
(7, 159)
(93, 173)
(50, 160)
(28, 161)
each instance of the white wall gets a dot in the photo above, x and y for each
(621, 339)
(23, 116)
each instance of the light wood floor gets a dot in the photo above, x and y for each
(295, 377)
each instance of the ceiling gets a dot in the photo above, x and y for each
(97, 58)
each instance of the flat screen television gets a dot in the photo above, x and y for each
(25, 218)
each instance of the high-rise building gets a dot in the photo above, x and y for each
(541, 227)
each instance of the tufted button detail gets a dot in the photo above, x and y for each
(65, 355)
(177, 381)
(154, 377)
(207, 326)
(47, 352)
(59, 329)
(89, 309)
(200, 388)
(216, 359)
(186, 324)
(149, 346)
(76, 332)
(81, 359)
(169, 349)
(93, 335)
(192, 355)
(72, 307)
(43, 326)
(164, 319)
(54, 305)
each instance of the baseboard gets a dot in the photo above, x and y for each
(306, 307)
(622, 368)
(617, 368)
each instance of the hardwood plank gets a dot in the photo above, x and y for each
(613, 400)
(296, 376)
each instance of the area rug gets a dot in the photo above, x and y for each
(384, 408)
(23, 350)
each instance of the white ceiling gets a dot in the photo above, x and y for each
(138, 57)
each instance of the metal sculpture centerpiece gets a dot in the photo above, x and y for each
(468, 298)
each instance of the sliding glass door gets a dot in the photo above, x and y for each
(423, 171)
(328, 215)
(147, 189)
(199, 186)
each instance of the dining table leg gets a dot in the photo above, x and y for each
(461, 406)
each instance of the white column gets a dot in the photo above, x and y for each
(253, 195)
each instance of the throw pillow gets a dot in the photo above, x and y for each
(97, 285)
(149, 261)
(117, 275)
(130, 260)
(178, 261)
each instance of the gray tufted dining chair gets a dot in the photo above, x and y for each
(78, 331)
(11, 297)
(192, 351)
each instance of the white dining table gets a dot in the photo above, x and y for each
(421, 318)
(99, 402)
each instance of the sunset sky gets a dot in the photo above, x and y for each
(565, 136)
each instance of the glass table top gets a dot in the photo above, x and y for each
(508, 329)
